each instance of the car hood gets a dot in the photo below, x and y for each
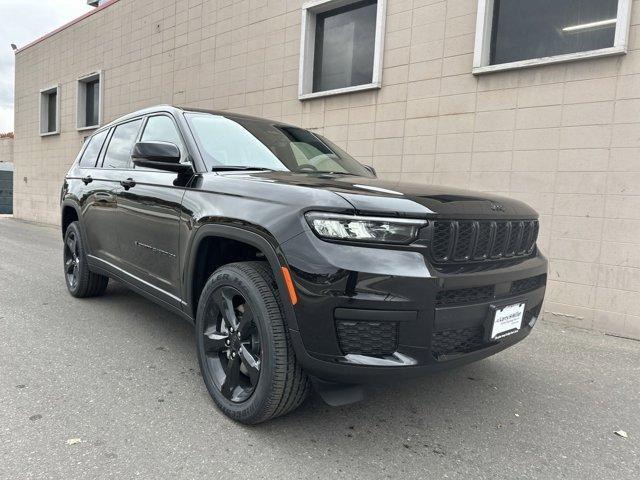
(376, 196)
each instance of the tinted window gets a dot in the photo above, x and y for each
(90, 155)
(526, 29)
(119, 150)
(344, 46)
(161, 129)
(92, 102)
(49, 111)
(254, 143)
(52, 107)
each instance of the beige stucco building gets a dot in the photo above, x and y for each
(562, 134)
(6, 149)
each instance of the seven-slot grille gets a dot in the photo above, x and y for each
(479, 240)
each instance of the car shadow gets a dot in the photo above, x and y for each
(416, 413)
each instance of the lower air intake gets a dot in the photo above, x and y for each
(458, 341)
(373, 339)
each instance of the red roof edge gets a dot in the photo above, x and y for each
(67, 25)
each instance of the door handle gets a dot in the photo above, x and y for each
(104, 197)
(87, 179)
(128, 183)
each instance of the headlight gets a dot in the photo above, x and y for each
(364, 229)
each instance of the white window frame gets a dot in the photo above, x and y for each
(307, 48)
(483, 42)
(44, 113)
(81, 100)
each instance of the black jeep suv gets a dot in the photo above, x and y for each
(294, 262)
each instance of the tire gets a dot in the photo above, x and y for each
(81, 282)
(247, 292)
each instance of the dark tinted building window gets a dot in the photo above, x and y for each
(52, 111)
(90, 155)
(344, 46)
(119, 150)
(92, 105)
(49, 114)
(526, 29)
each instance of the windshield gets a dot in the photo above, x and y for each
(242, 142)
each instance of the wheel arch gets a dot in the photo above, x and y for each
(266, 247)
(69, 212)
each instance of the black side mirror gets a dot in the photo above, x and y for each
(371, 169)
(158, 155)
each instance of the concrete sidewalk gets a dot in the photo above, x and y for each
(121, 374)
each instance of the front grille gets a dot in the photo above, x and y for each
(464, 296)
(367, 338)
(454, 342)
(456, 241)
(528, 284)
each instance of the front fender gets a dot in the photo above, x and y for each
(262, 241)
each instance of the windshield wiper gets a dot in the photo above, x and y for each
(231, 168)
(240, 168)
(320, 172)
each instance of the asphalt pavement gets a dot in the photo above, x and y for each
(110, 388)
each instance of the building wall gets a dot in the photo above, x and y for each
(6, 150)
(564, 138)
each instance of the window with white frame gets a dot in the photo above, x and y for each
(522, 33)
(341, 47)
(89, 103)
(50, 111)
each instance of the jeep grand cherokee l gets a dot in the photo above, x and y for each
(296, 265)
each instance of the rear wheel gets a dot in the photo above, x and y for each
(81, 282)
(245, 354)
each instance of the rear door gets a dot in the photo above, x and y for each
(149, 208)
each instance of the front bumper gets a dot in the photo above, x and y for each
(412, 317)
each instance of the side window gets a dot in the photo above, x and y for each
(119, 150)
(161, 129)
(90, 155)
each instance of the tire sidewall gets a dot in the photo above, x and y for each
(261, 396)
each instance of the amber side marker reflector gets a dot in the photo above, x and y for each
(290, 287)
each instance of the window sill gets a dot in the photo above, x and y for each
(339, 91)
(49, 134)
(570, 57)
(90, 127)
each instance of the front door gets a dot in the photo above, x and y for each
(149, 218)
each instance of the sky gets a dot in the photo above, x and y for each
(22, 21)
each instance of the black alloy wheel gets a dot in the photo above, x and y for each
(245, 354)
(71, 259)
(232, 345)
(81, 282)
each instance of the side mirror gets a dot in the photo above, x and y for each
(371, 169)
(158, 155)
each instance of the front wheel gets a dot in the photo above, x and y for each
(245, 354)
